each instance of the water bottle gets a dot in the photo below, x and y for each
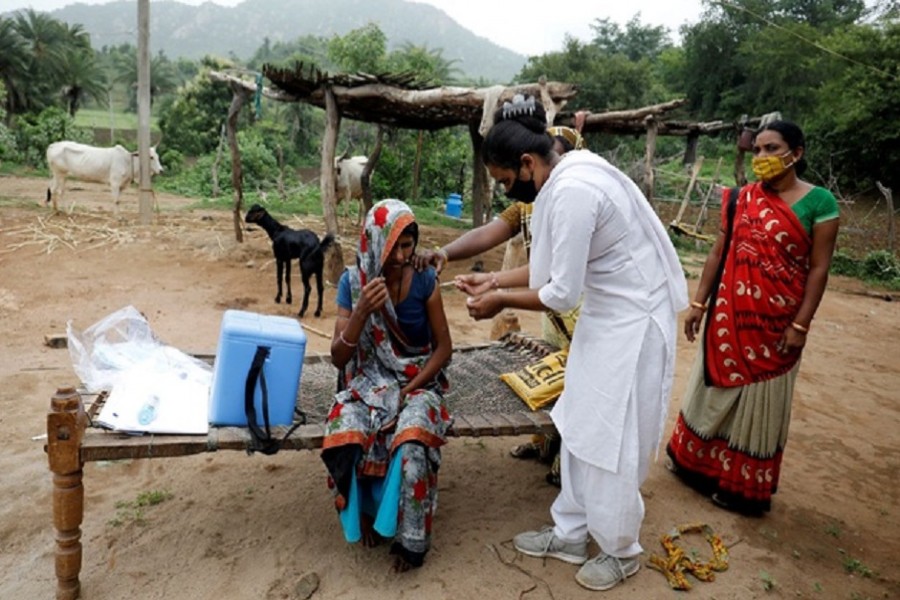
(148, 412)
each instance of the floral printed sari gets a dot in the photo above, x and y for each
(381, 450)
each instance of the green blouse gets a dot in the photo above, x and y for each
(817, 206)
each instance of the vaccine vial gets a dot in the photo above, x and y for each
(148, 411)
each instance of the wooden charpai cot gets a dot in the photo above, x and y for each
(481, 405)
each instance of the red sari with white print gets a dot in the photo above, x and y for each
(758, 293)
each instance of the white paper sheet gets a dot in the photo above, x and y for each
(179, 395)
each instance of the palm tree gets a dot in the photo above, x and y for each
(163, 77)
(46, 41)
(83, 76)
(429, 65)
(13, 66)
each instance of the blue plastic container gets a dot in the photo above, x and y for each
(454, 206)
(239, 337)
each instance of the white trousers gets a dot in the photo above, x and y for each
(605, 504)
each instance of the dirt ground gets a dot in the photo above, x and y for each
(238, 526)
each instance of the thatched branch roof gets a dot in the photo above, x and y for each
(399, 100)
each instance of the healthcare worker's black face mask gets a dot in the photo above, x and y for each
(523, 191)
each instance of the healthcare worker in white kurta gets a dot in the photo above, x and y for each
(594, 235)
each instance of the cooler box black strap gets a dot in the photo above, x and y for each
(259, 441)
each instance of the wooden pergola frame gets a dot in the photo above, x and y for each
(394, 100)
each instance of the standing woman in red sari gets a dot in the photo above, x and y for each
(761, 285)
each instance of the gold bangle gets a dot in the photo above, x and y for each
(443, 253)
(799, 327)
(345, 342)
(698, 305)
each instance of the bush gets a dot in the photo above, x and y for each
(192, 121)
(259, 165)
(172, 161)
(8, 147)
(844, 264)
(35, 132)
(881, 265)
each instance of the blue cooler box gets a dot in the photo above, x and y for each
(242, 332)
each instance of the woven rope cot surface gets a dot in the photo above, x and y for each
(473, 373)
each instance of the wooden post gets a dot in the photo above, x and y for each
(281, 195)
(327, 182)
(334, 260)
(740, 179)
(66, 421)
(652, 126)
(215, 166)
(238, 97)
(417, 165)
(365, 177)
(145, 195)
(889, 198)
(690, 150)
(481, 191)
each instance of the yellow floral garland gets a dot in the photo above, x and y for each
(676, 563)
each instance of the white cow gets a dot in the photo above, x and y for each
(348, 177)
(116, 166)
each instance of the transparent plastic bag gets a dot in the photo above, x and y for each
(120, 341)
(153, 387)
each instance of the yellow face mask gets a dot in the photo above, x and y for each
(767, 168)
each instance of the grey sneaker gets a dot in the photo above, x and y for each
(604, 572)
(544, 543)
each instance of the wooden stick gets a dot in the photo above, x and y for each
(318, 332)
(701, 216)
(889, 197)
(695, 170)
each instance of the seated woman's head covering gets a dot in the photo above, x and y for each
(384, 223)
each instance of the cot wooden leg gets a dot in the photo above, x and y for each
(66, 421)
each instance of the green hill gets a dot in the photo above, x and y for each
(187, 31)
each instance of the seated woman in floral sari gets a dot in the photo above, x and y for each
(387, 424)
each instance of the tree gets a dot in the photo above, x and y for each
(854, 129)
(46, 41)
(605, 81)
(362, 49)
(825, 15)
(781, 68)
(712, 73)
(309, 50)
(191, 123)
(13, 67)
(84, 76)
(7, 139)
(429, 65)
(163, 77)
(637, 41)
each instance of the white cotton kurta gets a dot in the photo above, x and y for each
(595, 235)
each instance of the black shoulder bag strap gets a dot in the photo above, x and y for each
(730, 211)
(259, 441)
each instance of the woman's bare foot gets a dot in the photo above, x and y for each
(370, 538)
